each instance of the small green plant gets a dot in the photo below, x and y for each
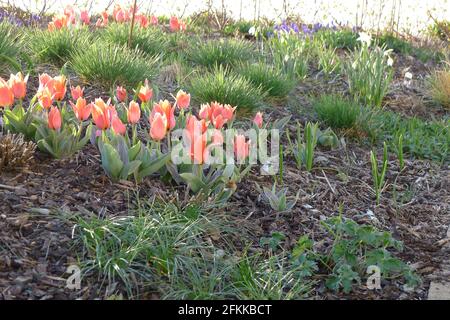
(278, 200)
(304, 147)
(275, 82)
(338, 39)
(152, 41)
(336, 111)
(421, 139)
(378, 176)
(328, 60)
(274, 241)
(290, 54)
(109, 64)
(355, 248)
(399, 150)
(225, 86)
(120, 159)
(227, 53)
(369, 72)
(10, 40)
(57, 46)
(61, 143)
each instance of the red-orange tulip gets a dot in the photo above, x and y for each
(241, 147)
(54, 119)
(183, 99)
(6, 94)
(45, 97)
(145, 92)
(205, 112)
(45, 81)
(164, 107)
(81, 109)
(198, 148)
(228, 112)
(84, 16)
(76, 92)
(121, 94)
(258, 119)
(59, 87)
(133, 112)
(102, 114)
(158, 127)
(118, 126)
(18, 85)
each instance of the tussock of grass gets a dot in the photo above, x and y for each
(57, 46)
(225, 86)
(274, 81)
(163, 249)
(109, 64)
(9, 47)
(336, 112)
(149, 40)
(212, 53)
(439, 85)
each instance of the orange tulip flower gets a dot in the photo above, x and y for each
(76, 92)
(45, 81)
(258, 119)
(145, 92)
(133, 112)
(228, 112)
(198, 148)
(183, 99)
(121, 94)
(205, 112)
(81, 109)
(45, 98)
(54, 119)
(241, 147)
(118, 126)
(164, 107)
(158, 127)
(18, 85)
(6, 94)
(102, 114)
(59, 87)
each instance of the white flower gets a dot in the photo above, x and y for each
(390, 62)
(252, 31)
(365, 38)
(408, 76)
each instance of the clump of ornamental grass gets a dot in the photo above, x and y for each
(212, 53)
(225, 86)
(439, 86)
(275, 82)
(9, 47)
(15, 152)
(57, 46)
(336, 112)
(149, 40)
(369, 72)
(109, 64)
